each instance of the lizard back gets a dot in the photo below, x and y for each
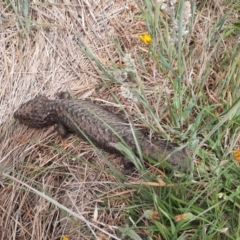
(101, 126)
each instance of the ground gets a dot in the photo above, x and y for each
(132, 58)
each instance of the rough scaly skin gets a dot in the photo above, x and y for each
(102, 127)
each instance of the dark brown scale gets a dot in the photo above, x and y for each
(101, 126)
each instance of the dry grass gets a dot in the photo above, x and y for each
(48, 185)
(40, 55)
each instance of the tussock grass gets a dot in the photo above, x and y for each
(182, 87)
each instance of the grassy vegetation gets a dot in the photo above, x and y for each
(183, 86)
(203, 77)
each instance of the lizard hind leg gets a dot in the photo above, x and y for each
(128, 166)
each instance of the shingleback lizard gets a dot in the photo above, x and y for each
(102, 127)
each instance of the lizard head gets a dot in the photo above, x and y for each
(36, 113)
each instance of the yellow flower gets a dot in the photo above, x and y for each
(236, 154)
(64, 237)
(146, 38)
